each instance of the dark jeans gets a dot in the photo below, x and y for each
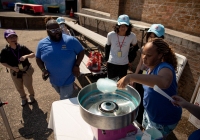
(116, 70)
(140, 89)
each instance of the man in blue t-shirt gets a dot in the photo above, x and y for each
(59, 56)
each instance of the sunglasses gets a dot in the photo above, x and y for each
(54, 30)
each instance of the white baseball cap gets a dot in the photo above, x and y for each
(60, 20)
(123, 19)
(157, 29)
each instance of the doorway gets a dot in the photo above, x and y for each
(70, 4)
(1, 7)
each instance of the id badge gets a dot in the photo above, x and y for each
(119, 54)
(20, 66)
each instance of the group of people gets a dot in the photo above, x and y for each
(59, 55)
(157, 66)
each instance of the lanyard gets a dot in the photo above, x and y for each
(15, 54)
(120, 45)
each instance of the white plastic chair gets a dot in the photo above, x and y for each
(181, 60)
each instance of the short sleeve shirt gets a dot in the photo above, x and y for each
(59, 58)
(120, 43)
(11, 56)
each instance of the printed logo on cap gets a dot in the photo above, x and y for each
(9, 31)
(157, 28)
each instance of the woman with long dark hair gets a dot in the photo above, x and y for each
(118, 46)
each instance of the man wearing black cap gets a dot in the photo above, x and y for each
(59, 56)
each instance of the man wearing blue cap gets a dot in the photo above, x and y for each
(121, 48)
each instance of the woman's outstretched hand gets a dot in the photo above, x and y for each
(123, 82)
(179, 101)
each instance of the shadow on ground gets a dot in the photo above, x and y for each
(172, 136)
(32, 127)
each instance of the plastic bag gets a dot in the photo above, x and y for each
(94, 61)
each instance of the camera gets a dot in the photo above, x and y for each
(19, 74)
(14, 73)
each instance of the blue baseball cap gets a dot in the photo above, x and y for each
(157, 29)
(8, 33)
(123, 19)
(60, 20)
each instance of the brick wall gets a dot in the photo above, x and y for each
(191, 71)
(180, 15)
(100, 5)
(114, 8)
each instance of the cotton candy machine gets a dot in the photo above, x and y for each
(110, 114)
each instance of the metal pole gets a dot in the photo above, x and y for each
(5, 120)
(84, 21)
(26, 23)
(98, 25)
(142, 38)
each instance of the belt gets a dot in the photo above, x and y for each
(28, 66)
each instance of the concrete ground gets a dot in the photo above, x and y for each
(31, 121)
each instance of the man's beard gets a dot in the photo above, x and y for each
(56, 38)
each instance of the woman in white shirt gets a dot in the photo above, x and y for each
(117, 48)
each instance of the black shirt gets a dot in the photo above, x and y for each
(11, 56)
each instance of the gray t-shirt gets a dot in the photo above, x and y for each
(116, 41)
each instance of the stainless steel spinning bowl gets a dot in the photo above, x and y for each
(108, 111)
